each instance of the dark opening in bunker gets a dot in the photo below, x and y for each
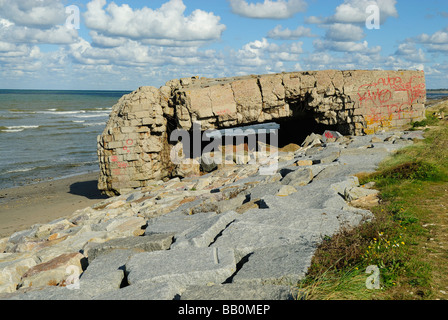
(301, 123)
(253, 137)
(295, 130)
(247, 138)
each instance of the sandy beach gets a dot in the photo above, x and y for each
(22, 207)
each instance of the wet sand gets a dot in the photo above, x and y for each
(22, 207)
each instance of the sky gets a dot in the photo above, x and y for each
(122, 45)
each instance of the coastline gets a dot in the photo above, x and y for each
(21, 207)
(41, 202)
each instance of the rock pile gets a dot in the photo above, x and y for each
(230, 234)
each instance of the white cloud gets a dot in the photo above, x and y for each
(393, 62)
(252, 53)
(55, 35)
(269, 9)
(130, 53)
(287, 34)
(437, 47)
(354, 11)
(410, 52)
(439, 37)
(99, 40)
(343, 61)
(134, 53)
(32, 13)
(261, 56)
(8, 49)
(4, 23)
(344, 32)
(167, 22)
(436, 42)
(131, 43)
(34, 22)
(19, 60)
(285, 52)
(344, 46)
(345, 28)
(321, 60)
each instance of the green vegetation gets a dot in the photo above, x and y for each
(430, 120)
(406, 238)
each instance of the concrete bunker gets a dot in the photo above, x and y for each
(353, 102)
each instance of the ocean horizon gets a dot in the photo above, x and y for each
(50, 134)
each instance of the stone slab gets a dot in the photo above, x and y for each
(105, 273)
(161, 241)
(245, 237)
(298, 178)
(143, 291)
(46, 293)
(238, 291)
(53, 272)
(284, 265)
(203, 234)
(182, 267)
(175, 222)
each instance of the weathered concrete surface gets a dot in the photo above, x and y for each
(134, 149)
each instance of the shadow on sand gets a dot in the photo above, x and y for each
(88, 189)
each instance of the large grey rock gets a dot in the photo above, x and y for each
(212, 205)
(329, 172)
(261, 190)
(410, 135)
(330, 157)
(134, 196)
(143, 291)
(311, 140)
(175, 222)
(326, 155)
(208, 163)
(340, 187)
(12, 269)
(161, 241)
(182, 267)
(284, 265)
(246, 237)
(18, 236)
(286, 221)
(55, 271)
(238, 291)
(204, 233)
(297, 178)
(46, 293)
(286, 190)
(105, 273)
(335, 202)
(354, 193)
(329, 135)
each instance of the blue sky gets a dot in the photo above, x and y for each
(121, 45)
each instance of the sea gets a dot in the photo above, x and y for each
(436, 95)
(50, 134)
